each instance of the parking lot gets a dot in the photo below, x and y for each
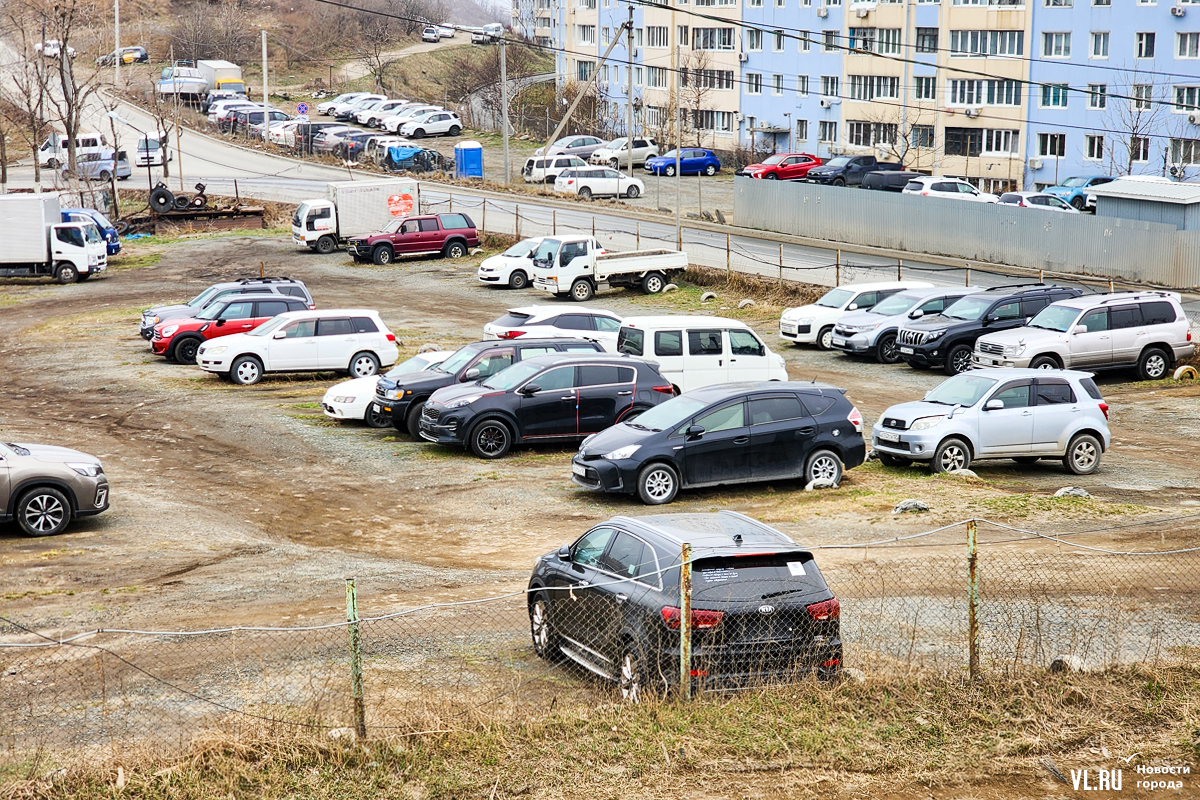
(237, 505)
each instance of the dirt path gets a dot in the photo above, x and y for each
(357, 69)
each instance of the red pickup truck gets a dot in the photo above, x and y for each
(448, 234)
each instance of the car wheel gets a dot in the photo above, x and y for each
(653, 283)
(545, 642)
(454, 130)
(893, 461)
(888, 351)
(105, 175)
(958, 359)
(612, 163)
(838, 182)
(631, 679)
(44, 511)
(376, 418)
(585, 193)
(518, 279)
(770, 176)
(1078, 203)
(246, 370)
(1083, 454)
(825, 338)
(950, 455)
(1153, 365)
(823, 465)
(382, 255)
(326, 245)
(185, 350)
(455, 250)
(412, 420)
(1026, 461)
(419, 133)
(363, 365)
(633, 192)
(52, 164)
(491, 439)
(1044, 362)
(581, 290)
(657, 484)
(710, 170)
(669, 171)
(66, 273)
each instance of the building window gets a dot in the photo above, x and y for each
(862, 39)
(1102, 2)
(753, 83)
(1097, 95)
(1145, 45)
(966, 93)
(926, 88)
(1187, 98)
(1099, 44)
(869, 134)
(754, 3)
(753, 39)
(1185, 151)
(988, 43)
(927, 40)
(584, 70)
(1004, 93)
(869, 87)
(1001, 142)
(585, 34)
(712, 38)
(1054, 95)
(638, 37)
(827, 132)
(1056, 45)
(829, 86)
(1189, 45)
(1139, 149)
(606, 36)
(777, 85)
(889, 41)
(656, 77)
(830, 43)
(1052, 145)
(803, 43)
(777, 41)
(1094, 145)
(658, 36)
(637, 77)
(707, 78)
(802, 85)
(801, 130)
(922, 136)
(964, 142)
(1143, 96)
(681, 35)
(708, 120)
(780, 3)
(1059, 3)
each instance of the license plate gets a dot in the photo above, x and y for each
(889, 437)
(838, 341)
(788, 328)
(579, 470)
(908, 351)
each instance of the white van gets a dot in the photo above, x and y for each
(692, 352)
(53, 152)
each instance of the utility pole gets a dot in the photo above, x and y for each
(178, 144)
(676, 103)
(266, 104)
(504, 111)
(116, 43)
(629, 93)
(41, 105)
(584, 90)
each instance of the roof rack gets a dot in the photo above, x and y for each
(1022, 286)
(267, 279)
(1135, 295)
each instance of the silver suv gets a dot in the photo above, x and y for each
(286, 286)
(45, 487)
(872, 332)
(1022, 414)
(1146, 330)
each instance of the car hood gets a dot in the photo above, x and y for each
(356, 387)
(190, 322)
(613, 438)
(910, 412)
(936, 323)
(824, 170)
(861, 317)
(426, 380)
(502, 260)
(1023, 334)
(810, 310)
(56, 455)
(1061, 191)
(158, 311)
(759, 167)
(455, 391)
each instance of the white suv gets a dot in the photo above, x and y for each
(354, 341)
(814, 323)
(403, 115)
(1022, 414)
(950, 188)
(1146, 330)
(432, 124)
(538, 322)
(615, 154)
(547, 169)
(588, 182)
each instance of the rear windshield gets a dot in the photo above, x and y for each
(513, 319)
(1090, 387)
(756, 577)
(631, 341)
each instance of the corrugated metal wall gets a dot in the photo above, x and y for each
(1070, 243)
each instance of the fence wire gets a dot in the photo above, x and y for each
(1092, 599)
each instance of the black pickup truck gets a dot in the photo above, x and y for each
(848, 170)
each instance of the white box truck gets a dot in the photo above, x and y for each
(353, 208)
(224, 76)
(39, 243)
(577, 266)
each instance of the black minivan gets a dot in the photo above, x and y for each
(723, 434)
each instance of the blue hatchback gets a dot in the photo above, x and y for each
(112, 240)
(692, 161)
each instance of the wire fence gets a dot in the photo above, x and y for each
(969, 598)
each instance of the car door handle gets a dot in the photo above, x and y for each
(742, 440)
(622, 597)
(244, 327)
(624, 394)
(583, 584)
(568, 397)
(808, 430)
(1026, 413)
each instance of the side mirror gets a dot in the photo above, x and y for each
(916, 314)
(530, 389)
(472, 374)
(989, 319)
(220, 322)
(564, 553)
(1078, 329)
(279, 335)
(695, 432)
(992, 405)
(852, 307)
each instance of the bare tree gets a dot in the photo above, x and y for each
(204, 31)
(697, 81)
(28, 78)
(374, 47)
(910, 139)
(1134, 111)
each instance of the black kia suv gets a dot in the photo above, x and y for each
(947, 340)
(761, 611)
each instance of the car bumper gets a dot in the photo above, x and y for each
(161, 346)
(600, 474)
(397, 409)
(345, 411)
(211, 363)
(92, 500)
(980, 360)
(793, 332)
(546, 285)
(858, 344)
(740, 666)
(913, 445)
(360, 249)
(444, 431)
(924, 357)
(819, 178)
(490, 276)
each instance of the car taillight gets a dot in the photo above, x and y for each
(1104, 408)
(312, 306)
(391, 337)
(924, 194)
(701, 620)
(855, 418)
(668, 389)
(510, 334)
(1189, 334)
(825, 610)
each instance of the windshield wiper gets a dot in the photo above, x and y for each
(785, 591)
(636, 425)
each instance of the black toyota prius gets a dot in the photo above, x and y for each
(729, 433)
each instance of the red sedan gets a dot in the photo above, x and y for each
(782, 167)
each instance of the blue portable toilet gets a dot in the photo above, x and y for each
(468, 160)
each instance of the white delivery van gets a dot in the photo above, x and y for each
(694, 351)
(53, 152)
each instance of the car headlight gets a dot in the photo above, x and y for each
(463, 401)
(925, 423)
(216, 351)
(170, 330)
(804, 320)
(622, 452)
(934, 336)
(88, 470)
(1014, 349)
(391, 394)
(344, 399)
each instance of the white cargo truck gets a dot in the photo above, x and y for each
(40, 244)
(578, 266)
(353, 208)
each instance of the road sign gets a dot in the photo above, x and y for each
(302, 108)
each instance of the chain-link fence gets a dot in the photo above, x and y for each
(967, 598)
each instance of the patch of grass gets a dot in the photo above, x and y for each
(303, 405)
(1023, 505)
(133, 260)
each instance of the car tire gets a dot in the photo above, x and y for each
(669, 171)
(1083, 454)
(66, 273)
(545, 642)
(613, 163)
(44, 511)
(412, 419)
(770, 176)
(518, 279)
(951, 454)
(454, 250)
(454, 130)
(185, 350)
(710, 170)
(1026, 461)
(582, 291)
(1153, 365)
(419, 133)
(585, 193)
(382, 255)
(105, 176)
(1044, 362)
(376, 419)
(893, 461)
(825, 338)
(1078, 202)
(823, 465)
(491, 439)
(653, 283)
(52, 164)
(958, 359)
(632, 674)
(633, 192)
(326, 245)
(887, 350)
(363, 365)
(838, 182)
(657, 484)
(246, 370)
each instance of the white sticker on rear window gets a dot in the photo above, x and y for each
(723, 575)
(796, 567)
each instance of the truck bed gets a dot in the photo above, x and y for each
(638, 262)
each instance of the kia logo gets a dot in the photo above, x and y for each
(764, 610)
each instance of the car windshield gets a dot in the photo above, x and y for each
(1074, 183)
(1055, 318)
(457, 361)
(101, 219)
(520, 249)
(201, 300)
(669, 154)
(563, 142)
(774, 160)
(837, 162)
(836, 298)
(414, 364)
(617, 144)
(669, 415)
(511, 376)
(269, 327)
(961, 390)
(92, 232)
(212, 311)
(969, 308)
(394, 225)
(896, 304)
(547, 251)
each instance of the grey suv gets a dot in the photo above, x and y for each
(1022, 414)
(285, 286)
(872, 331)
(1146, 330)
(44, 487)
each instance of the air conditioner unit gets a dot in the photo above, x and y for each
(1194, 119)
(862, 12)
(836, 149)
(1178, 11)
(1035, 163)
(972, 112)
(742, 57)
(826, 103)
(822, 12)
(737, 115)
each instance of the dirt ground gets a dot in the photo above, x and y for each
(240, 505)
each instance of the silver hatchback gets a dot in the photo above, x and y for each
(1022, 414)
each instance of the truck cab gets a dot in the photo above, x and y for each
(313, 220)
(107, 229)
(579, 267)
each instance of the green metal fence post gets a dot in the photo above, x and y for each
(356, 681)
(973, 598)
(685, 622)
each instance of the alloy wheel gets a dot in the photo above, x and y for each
(1084, 455)
(1156, 365)
(539, 627)
(962, 360)
(44, 513)
(953, 457)
(660, 484)
(492, 439)
(631, 685)
(823, 468)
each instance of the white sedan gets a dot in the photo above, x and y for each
(513, 267)
(351, 400)
(950, 188)
(432, 124)
(589, 182)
